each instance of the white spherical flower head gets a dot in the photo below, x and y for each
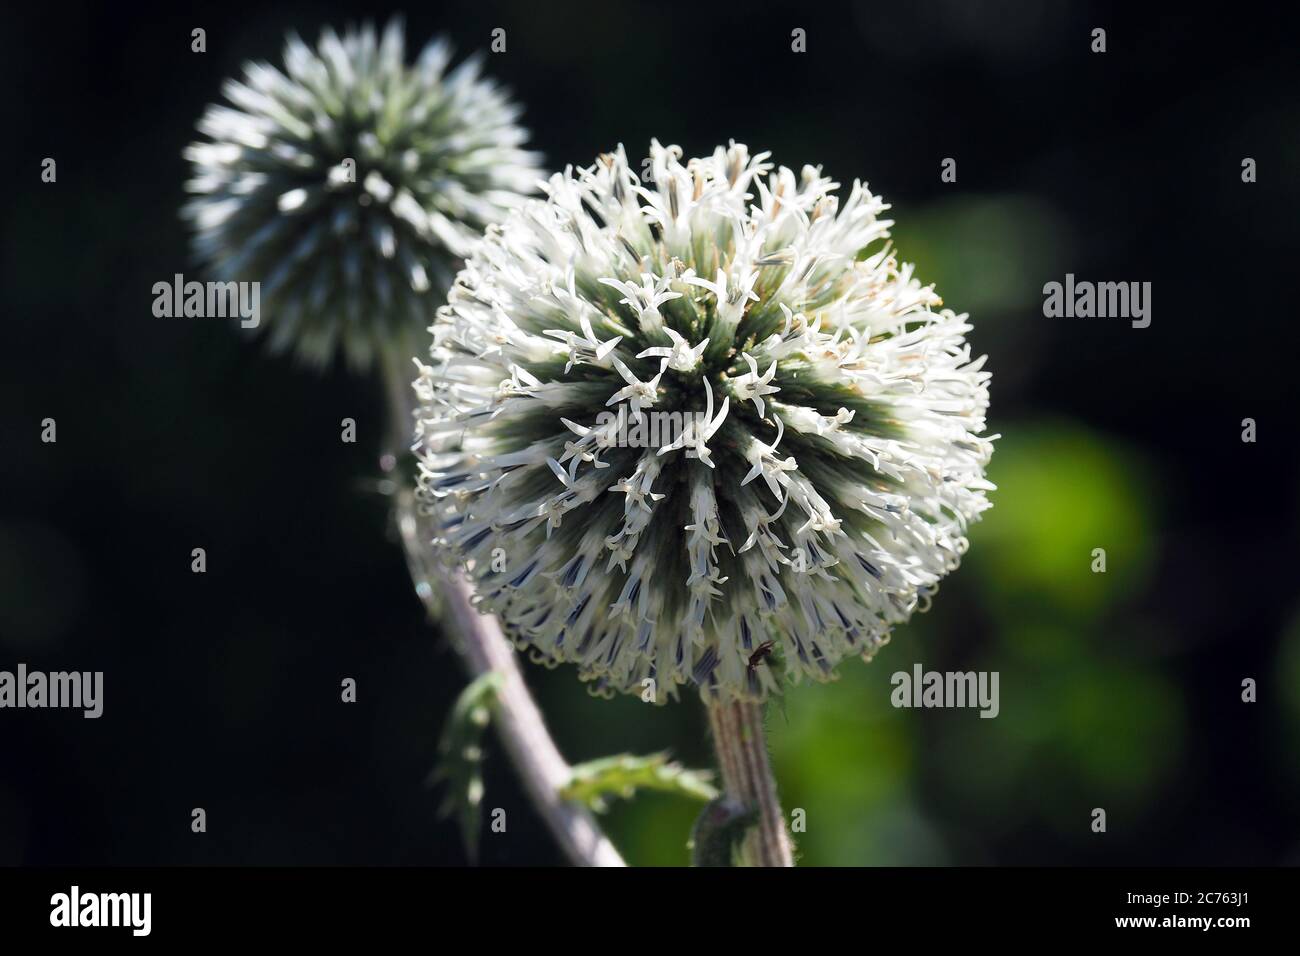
(700, 429)
(351, 185)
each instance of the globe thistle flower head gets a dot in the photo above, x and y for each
(350, 184)
(822, 454)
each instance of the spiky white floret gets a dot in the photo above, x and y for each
(816, 492)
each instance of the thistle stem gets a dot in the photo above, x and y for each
(747, 778)
(484, 648)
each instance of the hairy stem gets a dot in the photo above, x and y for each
(747, 778)
(484, 648)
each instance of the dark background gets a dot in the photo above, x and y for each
(1119, 691)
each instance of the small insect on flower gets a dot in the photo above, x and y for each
(351, 185)
(761, 654)
(831, 456)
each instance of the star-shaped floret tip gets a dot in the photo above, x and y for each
(681, 355)
(695, 436)
(752, 386)
(636, 392)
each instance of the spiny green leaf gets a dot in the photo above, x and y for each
(460, 760)
(624, 774)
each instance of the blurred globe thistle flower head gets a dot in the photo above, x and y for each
(818, 498)
(350, 185)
